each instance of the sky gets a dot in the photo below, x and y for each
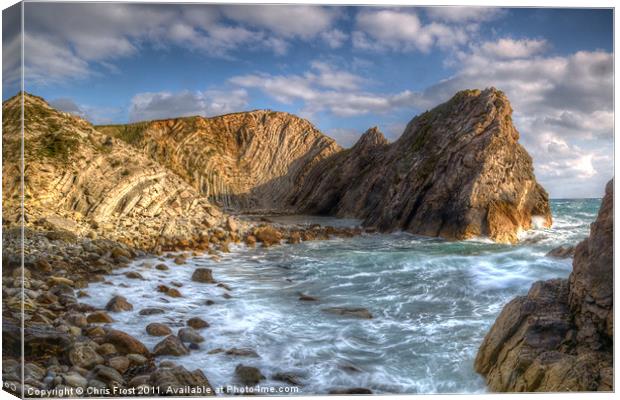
(344, 68)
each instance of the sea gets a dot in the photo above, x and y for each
(432, 303)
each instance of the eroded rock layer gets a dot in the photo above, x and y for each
(559, 337)
(457, 172)
(246, 161)
(83, 181)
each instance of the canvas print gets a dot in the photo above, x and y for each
(287, 200)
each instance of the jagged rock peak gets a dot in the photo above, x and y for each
(457, 172)
(371, 138)
(559, 337)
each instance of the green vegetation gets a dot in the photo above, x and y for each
(131, 133)
(57, 145)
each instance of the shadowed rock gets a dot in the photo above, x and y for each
(559, 337)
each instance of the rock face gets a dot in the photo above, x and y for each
(82, 181)
(559, 337)
(252, 160)
(457, 172)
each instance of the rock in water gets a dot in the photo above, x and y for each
(118, 303)
(170, 346)
(203, 275)
(562, 252)
(559, 337)
(249, 376)
(349, 312)
(456, 172)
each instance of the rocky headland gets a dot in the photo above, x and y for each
(97, 198)
(559, 337)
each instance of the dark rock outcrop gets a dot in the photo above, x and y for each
(559, 337)
(457, 172)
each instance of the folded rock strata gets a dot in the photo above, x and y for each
(457, 172)
(559, 337)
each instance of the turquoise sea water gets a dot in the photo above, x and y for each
(432, 301)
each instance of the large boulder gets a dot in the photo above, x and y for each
(170, 346)
(559, 337)
(118, 303)
(177, 381)
(125, 343)
(458, 171)
(203, 275)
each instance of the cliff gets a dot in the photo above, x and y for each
(559, 337)
(457, 172)
(249, 161)
(80, 180)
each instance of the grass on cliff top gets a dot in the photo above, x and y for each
(132, 133)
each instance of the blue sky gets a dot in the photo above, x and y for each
(344, 68)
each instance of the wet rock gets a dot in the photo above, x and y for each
(74, 379)
(227, 296)
(157, 329)
(249, 376)
(189, 335)
(126, 343)
(241, 352)
(134, 275)
(268, 235)
(136, 359)
(351, 391)
(139, 380)
(118, 303)
(119, 363)
(151, 311)
(287, 377)
(203, 275)
(170, 346)
(172, 292)
(250, 240)
(559, 337)
(197, 323)
(162, 267)
(84, 356)
(349, 312)
(180, 260)
(178, 379)
(106, 349)
(209, 302)
(562, 252)
(99, 317)
(305, 297)
(108, 375)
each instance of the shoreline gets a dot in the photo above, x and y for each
(59, 266)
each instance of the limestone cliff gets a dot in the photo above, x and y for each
(559, 337)
(457, 172)
(83, 181)
(247, 161)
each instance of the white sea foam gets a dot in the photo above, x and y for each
(432, 302)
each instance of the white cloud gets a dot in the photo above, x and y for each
(324, 88)
(161, 105)
(402, 30)
(94, 114)
(287, 20)
(47, 61)
(93, 35)
(563, 108)
(510, 48)
(464, 14)
(334, 38)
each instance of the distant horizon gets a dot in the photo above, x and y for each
(345, 68)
